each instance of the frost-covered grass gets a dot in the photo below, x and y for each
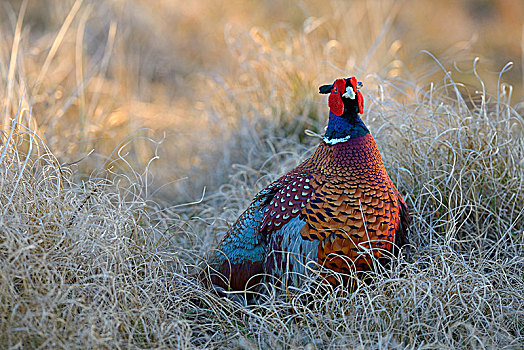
(95, 253)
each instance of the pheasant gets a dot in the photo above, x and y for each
(336, 210)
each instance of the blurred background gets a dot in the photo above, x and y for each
(186, 95)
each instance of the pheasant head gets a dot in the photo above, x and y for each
(344, 96)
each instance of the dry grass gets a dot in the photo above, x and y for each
(98, 254)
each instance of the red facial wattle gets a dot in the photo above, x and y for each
(335, 99)
(360, 100)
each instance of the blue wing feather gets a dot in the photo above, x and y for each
(243, 240)
(252, 247)
(290, 255)
(238, 262)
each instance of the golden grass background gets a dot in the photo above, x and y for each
(134, 132)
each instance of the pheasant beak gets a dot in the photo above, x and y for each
(349, 93)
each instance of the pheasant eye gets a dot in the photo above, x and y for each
(335, 90)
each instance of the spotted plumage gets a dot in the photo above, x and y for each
(336, 209)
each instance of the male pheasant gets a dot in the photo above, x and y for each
(336, 209)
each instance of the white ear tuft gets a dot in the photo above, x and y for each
(349, 93)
